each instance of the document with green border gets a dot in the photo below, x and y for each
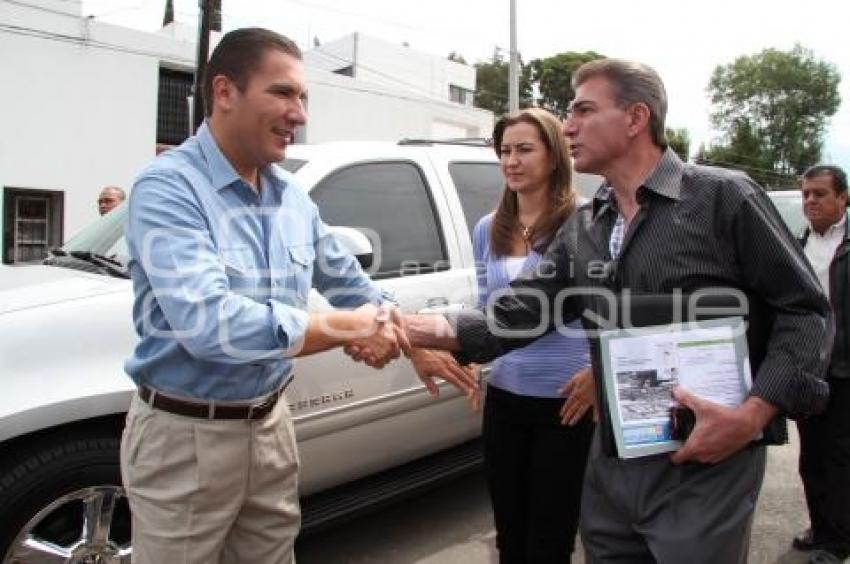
(642, 365)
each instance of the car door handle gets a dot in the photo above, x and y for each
(436, 302)
(440, 305)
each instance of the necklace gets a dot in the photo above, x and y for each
(525, 231)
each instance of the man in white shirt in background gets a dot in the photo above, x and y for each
(825, 438)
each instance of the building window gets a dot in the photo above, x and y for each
(460, 95)
(32, 224)
(172, 112)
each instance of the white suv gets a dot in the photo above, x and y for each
(363, 435)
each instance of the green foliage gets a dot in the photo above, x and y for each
(491, 92)
(773, 109)
(552, 76)
(680, 141)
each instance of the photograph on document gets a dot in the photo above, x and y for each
(642, 366)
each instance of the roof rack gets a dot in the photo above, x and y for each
(469, 141)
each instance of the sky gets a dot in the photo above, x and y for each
(684, 41)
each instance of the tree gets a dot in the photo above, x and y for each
(553, 76)
(491, 92)
(680, 141)
(772, 109)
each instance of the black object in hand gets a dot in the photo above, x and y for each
(683, 420)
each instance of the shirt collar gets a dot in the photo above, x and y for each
(841, 224)
(665, 180)
(222, 173)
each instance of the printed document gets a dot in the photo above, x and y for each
(641, 366)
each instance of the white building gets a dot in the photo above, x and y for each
(84, 105)
(395, 66)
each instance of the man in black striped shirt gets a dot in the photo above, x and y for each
(661, 226)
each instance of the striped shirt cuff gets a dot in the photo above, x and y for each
(477, 344)
(796, 395)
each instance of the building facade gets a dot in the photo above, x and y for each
(86, 104)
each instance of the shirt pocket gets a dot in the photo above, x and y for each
(301, 259)
(240, 270)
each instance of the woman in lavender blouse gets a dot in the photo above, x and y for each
(534, 460)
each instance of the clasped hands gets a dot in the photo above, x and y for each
(385, 340)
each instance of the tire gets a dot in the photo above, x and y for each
(47, 487)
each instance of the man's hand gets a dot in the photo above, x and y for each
(382, 338)
(581, 396)
(720, 431)
(430, 364)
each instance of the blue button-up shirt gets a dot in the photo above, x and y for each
(221, 274)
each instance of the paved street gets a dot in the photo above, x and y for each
(452, 525)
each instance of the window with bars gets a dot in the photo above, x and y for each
(32, 224)
(172, 115)
(460, 95)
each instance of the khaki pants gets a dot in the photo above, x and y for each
(209, 492)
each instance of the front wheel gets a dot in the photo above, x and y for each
(61, 500)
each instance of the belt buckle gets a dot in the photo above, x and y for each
(255, 407)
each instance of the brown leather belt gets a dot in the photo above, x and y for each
(210, 409)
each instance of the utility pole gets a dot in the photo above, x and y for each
(205, 17)
(513, 75)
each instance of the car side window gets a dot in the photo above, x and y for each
(391, 199)
(479, 186)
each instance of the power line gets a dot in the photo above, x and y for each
(42, 34)
(41, 8)
(761, 171)
(53, 36)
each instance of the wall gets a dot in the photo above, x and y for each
(79, 103)
(76, 115)
(394, 66)
(342, 108)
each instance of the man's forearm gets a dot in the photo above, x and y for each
(329, 330)
(431, 332)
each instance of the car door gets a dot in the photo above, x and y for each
(352, 420)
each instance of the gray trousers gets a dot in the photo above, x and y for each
(650, 510)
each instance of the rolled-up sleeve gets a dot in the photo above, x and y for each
(188, 295)
(337, 274)
(800, 341)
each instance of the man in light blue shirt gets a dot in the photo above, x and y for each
(224, 249)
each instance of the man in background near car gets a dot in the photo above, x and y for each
(224, 248)
(825, 438)
(109, 199)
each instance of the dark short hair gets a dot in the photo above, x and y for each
(633, 83)
(238, 55)
(839, 178)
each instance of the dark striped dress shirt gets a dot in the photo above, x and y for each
(697, 227)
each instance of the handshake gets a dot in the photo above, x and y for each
(382, 337)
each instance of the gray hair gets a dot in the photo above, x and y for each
(119, 191)
(633, 83)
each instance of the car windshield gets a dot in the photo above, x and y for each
(101, 247)
(293, 165)
(105, 236)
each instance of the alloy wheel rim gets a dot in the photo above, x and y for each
(94, 542)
